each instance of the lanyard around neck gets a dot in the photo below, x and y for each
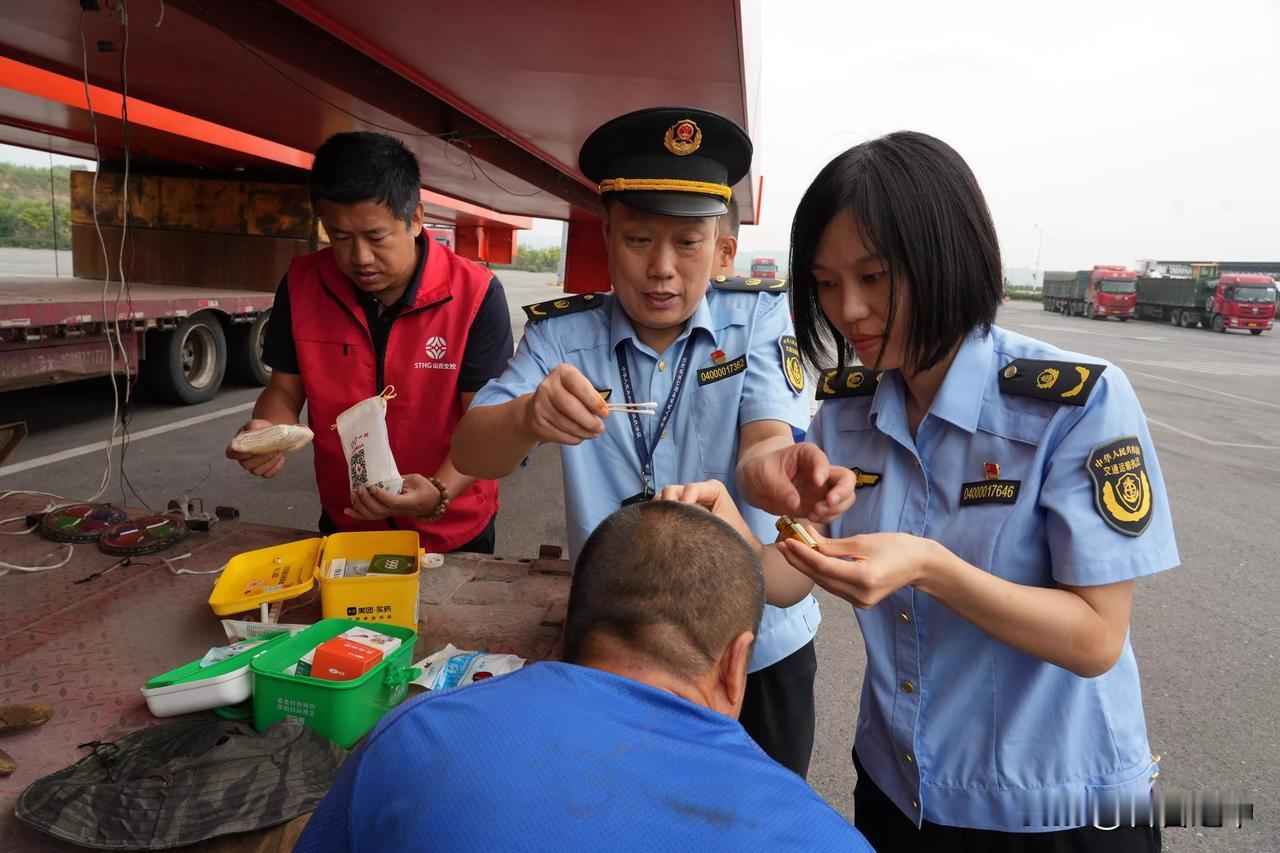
(645, 449)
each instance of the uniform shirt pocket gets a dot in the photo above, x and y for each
(715, 419)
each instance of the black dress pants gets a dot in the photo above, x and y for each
(778, 710)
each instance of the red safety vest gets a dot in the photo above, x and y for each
(337, 362)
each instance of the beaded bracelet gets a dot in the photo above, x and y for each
(441, 507)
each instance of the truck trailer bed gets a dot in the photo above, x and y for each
(34, 303)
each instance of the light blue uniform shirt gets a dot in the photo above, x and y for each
(702, 435)
(955, 726)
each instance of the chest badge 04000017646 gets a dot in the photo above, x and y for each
(991, 489)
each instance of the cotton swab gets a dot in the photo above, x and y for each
(637, 408)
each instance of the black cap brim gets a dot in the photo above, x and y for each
(672, 203)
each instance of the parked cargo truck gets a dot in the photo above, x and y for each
(1238, 301)
(202, 259)
(1060, 291)
(764, 268)
(1107, 290)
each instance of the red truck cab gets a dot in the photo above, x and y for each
(1242, 301)
(764, 268)
(1112, 292)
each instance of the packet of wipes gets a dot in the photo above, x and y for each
(452, 667)
(220, 653)
(362, 429)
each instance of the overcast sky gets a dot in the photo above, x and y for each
(1124, 130)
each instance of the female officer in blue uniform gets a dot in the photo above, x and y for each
(996, 501)
(717, 358)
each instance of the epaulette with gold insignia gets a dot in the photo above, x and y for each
(1057, 381)
(850, 382)
(560, 307)
(749, 285)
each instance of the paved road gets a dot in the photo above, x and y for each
(34, 262)
(1205, 635)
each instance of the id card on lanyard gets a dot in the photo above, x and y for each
(646, 449)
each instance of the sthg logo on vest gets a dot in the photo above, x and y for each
(436, 349)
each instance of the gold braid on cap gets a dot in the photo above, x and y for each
(618, 185)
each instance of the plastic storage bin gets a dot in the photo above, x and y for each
(265, 576)
(379, 599)
(192, 688)
(343, 711)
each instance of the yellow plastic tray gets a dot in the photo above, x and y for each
(265, 576)
(268, 575)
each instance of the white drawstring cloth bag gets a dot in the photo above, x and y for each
(362, 429)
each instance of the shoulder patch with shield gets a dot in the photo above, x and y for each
(792, 369)
(1121, 490)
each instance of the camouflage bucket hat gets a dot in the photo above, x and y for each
(167, 786)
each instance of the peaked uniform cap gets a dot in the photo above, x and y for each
(675, 161)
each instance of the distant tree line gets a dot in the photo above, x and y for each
(26, 218)
(534, 260)
(29, 224)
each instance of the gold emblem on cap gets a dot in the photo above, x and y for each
(683, 138)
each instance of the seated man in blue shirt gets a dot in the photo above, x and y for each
(631, 743)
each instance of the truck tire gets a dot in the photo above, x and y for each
(1219, 324)
(1176, 318)
(186, 365)
(244, 352)
(1186, 320)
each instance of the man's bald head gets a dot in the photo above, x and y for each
(670, 583)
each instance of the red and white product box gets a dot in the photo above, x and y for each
(342, 660)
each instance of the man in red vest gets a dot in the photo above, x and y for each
(384, 306)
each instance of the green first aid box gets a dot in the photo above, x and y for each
(343, 711)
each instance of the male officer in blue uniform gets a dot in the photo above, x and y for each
(717, 360)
